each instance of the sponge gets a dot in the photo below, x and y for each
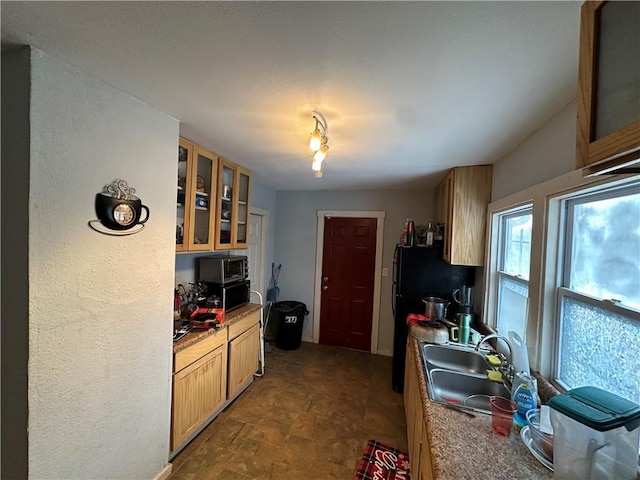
(493, 360)
(494, 376)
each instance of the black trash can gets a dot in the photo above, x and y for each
(290, 320)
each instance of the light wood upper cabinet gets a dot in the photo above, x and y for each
(462, 200)
(214, 198)
(197, 182)
(608, 127)
(234, 199)
(243, 188)
(185, 159)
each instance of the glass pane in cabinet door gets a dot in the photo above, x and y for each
(226, 209)
(618, 67)
(202, 202)
(183, 154)
(243, 207)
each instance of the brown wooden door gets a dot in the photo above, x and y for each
(348, 267)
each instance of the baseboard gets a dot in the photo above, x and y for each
(308, 339)
(386, 353)
(164, 473)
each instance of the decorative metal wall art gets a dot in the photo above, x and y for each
(119, 211)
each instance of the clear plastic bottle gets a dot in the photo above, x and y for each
(524, 391)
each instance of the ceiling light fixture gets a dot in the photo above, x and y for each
(318, 143)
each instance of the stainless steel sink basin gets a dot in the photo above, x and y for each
(447, 386)
(457, 375)
(448, 358)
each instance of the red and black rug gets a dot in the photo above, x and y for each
(380, 462)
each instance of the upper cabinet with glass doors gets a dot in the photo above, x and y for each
(234, 198)
(608, 128)
(197, 181)
(244, 199)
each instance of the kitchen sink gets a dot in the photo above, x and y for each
(455, 387)
(457, 375)
(448, 358)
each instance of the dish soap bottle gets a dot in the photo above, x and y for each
(524, 392)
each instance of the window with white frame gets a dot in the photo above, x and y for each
(514, 258)
(598, 332)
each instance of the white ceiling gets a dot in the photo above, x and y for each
(409, 89)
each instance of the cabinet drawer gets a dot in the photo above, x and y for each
(243, 325)
(194, 352)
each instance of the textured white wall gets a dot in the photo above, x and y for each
(295, 245)
(99, 306)
(548, 153)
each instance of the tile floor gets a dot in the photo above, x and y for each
(309, 417)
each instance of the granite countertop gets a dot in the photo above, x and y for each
(196, 335)
(462, 447)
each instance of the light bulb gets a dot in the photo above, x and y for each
(316, 140)
(321, 154)
(316, 165)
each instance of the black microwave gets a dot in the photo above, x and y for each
(231, 295)
(223, 270)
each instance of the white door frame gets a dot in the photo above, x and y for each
(264, 236)
(377, 280)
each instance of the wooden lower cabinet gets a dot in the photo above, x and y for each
(425, 472)
(419, 455)
(210, 373)
(198, 390)
(243, 359)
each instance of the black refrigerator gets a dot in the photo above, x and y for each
(420, 272)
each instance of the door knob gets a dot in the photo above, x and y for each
(324, 279)
(324, 287)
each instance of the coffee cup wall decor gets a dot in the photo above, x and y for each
(119, 211)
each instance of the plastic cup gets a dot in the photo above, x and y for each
(502, 410)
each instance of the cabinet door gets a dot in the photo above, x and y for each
(413, 410)
(226, 216)
(447, 202)
(466, 193)
(426, 472)
(608, 130)
(185, 159)
(409, 411)
(243, 359)
(202, 194)
(243, 198)
(198, 390)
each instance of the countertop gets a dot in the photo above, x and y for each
(462, 447)
(196, 335)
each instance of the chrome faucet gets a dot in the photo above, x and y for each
(506, 368)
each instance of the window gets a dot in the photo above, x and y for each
(598, 333)
(514, 233)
